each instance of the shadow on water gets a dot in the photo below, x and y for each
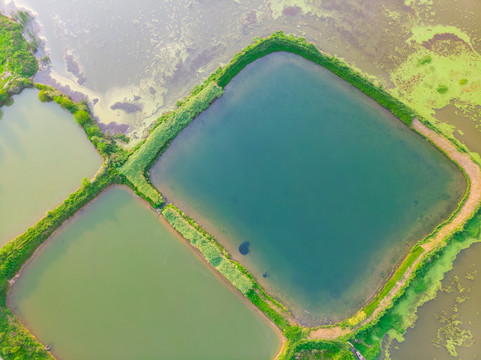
(244, 248)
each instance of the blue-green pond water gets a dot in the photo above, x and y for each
(328, 188)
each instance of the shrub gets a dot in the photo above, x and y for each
(82, 117)
(44, 96)
(425, 60)
(442, 89)
(3, 95)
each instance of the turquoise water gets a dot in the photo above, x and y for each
(115, 283)
(329, 189)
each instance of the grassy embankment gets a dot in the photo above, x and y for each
(17, 63)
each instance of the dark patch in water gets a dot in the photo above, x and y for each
(114, 127)
(244, 248)
(74, 68)
(265, 275)
(416, 203)
(291, 10)
(126, 106)
(251, 18)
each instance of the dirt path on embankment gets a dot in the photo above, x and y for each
(470, 204)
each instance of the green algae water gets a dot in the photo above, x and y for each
(448, 327)
(44, 155)
(115, 283)
(328, 189)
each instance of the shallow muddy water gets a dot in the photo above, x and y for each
(114, 282)
(328, 188)
(449, 327)
(149, 54)
(44, 155)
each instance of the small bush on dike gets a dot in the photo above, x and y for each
(45, 96)
(82, 117)
(3, 96)
(463, 81)
(66, 103)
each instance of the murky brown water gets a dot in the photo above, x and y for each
(148, 55)
(469, 131)
(449, 327)
(114, 283)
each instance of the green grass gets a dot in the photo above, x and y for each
(17, 63)
(166, 129)
(398, 275)
(322, 350)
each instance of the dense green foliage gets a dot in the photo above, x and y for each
(322, 350)
(15, 341)
(166, 129)
(281, 42)
(105, 145)
(17, 63)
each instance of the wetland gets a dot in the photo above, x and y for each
(329, 189)
(132, 61)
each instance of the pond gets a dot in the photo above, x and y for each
(328, 188)
(44, 155)
(115, 282)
